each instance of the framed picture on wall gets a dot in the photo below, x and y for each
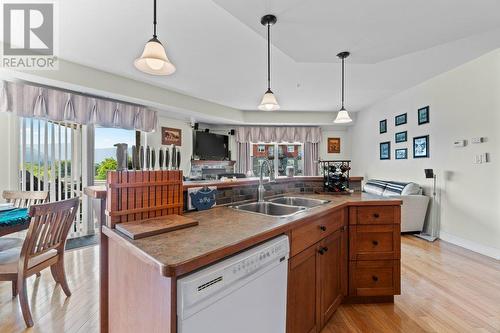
(333, 145)
(401, 119)
(421, 146)
(171, 136)
(402, 154)
(382, 126)
(401, 136)
(385, 150)
(423, 115)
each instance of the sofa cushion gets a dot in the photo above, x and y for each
(391, 188)
(374, 186)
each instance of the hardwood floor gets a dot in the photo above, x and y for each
(52, 311)
(444, 289)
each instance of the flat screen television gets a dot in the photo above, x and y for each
(210, 146)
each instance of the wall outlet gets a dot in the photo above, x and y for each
(481, 158)
(477, 140)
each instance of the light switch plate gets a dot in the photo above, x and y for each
(459, 143)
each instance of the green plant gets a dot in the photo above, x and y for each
(106, 165)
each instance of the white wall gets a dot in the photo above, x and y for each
(345, 144)
(9, 145)
(154, 140)
(464, 103)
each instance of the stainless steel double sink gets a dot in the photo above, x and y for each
(281, 207)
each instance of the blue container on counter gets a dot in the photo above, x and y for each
(203, 199)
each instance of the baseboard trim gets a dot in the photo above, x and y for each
(470, 245)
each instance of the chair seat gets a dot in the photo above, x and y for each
(9, 259)
(10, 242)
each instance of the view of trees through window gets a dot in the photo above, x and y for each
(105, 151)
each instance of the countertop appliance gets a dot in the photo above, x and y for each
(245, 293)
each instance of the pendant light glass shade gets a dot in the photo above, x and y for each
(269, 102)
(154, 59)
(342, 117)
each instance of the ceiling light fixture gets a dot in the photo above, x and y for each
(343, 115)
(154, 59)
(269, 102)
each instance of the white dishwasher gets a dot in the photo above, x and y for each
(245, 293)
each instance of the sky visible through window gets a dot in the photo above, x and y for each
(106, 138)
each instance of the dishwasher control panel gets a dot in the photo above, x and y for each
(253, 263)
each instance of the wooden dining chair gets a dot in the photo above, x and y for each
(24, 199)
(43, 247)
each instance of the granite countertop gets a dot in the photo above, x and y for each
(223, 231)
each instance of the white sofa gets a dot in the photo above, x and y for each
(414, 206)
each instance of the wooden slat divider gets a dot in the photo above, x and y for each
(164, 177)
(158, 190)
(137, 195)
(152, 183)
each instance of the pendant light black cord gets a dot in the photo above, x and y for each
(268, 57)
(154, 19)
(342, 84)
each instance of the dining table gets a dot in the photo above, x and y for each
(13, 220)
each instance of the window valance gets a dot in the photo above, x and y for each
(278, 134)
(40, 102)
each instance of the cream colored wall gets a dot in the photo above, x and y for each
(9, 152)
(345, 144)
(464, 103)
(154, 140)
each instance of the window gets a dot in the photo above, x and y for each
(50, 159)
(105, 151)
(282, 155)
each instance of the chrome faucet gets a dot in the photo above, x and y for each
(261, 190)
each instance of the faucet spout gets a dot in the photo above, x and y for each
(261, 190)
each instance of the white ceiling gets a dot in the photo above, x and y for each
(219, 46)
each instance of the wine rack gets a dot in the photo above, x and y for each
(335, 175)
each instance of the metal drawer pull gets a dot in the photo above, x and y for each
(322, 227)
(375, 278)
(323, 250)
(376, 215)
(375, 243)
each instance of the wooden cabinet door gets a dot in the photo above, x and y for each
(302, 314)
(331, 291)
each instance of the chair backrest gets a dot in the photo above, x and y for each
(24, 199)
(49, 227)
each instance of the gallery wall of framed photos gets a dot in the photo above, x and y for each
(419, 144)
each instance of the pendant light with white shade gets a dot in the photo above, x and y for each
(343, 116)
(154, 59)
(269, 102)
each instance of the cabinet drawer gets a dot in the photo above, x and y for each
(315, 230)
(374, 278)
(374, 242)
(375, 215)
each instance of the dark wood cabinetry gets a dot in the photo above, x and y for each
(317, 275)
(302, 310)
(332, 274)
(332, 259)
(374, 252)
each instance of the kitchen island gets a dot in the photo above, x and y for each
(361, 231)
